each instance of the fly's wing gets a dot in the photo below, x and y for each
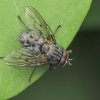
(36, 22)
(23, 57)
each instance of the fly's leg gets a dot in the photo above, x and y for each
(57, 28)
(32, 74)
(1, 57)
(52, 36)
(51, 66)
(23, 22)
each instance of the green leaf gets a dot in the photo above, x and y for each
(69, 13)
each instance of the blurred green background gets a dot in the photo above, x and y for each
(81, 81)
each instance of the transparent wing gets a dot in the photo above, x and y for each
(24, 57)
(36, 21)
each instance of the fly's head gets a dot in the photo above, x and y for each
(65, 58)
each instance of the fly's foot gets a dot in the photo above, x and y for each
(69, 51)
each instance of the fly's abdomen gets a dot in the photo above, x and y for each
(31, 41)
(52, 52)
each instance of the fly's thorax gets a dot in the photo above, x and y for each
(30, 39)
(52, 52)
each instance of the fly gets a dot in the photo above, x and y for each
(39, 45)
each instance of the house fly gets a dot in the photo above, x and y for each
(39, 45)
